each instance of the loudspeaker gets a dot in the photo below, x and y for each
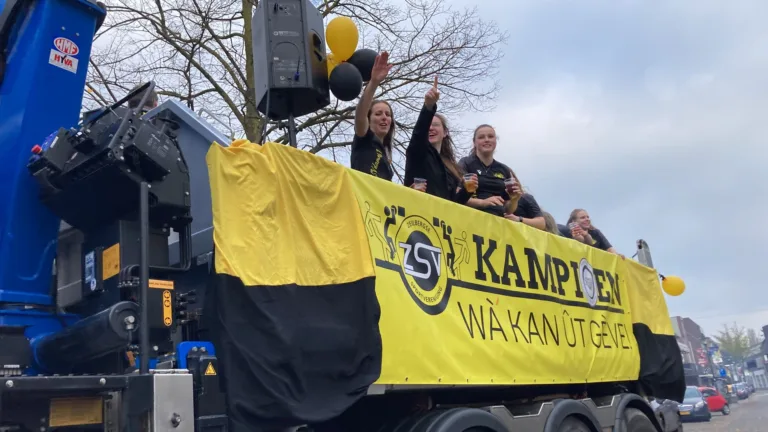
(291, 71)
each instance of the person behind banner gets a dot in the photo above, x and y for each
(499, 190)
(430, 162)
(580, 228)
(552, 226)
(374, 127)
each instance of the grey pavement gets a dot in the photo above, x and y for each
(749, 415)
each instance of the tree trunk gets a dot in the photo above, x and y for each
(253, 120)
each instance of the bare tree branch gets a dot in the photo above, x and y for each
(202, 53)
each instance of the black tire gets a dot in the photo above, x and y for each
(448, 420)
(573, 424)
(726, 409)
(636, 421)
(463, 420)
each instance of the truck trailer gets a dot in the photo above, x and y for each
(155, 276)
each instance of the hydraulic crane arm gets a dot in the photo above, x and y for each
(44, 51)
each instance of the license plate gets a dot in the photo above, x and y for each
(685, 412)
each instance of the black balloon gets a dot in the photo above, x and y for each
(363, 60)
(345, 82)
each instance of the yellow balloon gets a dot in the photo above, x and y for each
(341, 36)
(332, 62)
(673, 285)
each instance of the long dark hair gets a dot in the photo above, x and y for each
(389, 137)
(447, 152)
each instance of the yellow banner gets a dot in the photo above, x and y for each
(465, 297)
(471, 298)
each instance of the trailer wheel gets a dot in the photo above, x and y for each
(573, 424)
(636, 421)
(452, 420)
(413, 423)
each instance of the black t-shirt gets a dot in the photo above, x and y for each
(423, 160)
(490, 180)
(368, 156)
(598, 238)
(527, 207)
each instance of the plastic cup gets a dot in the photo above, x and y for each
(467, 185)
(573, 225)
(508, 183)
(419, 181)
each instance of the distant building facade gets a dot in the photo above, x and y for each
(689, 337)
(756, 361)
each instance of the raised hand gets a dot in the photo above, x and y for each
(381, 68)
(430, 99)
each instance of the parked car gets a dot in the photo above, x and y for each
(716, 402)
(741, 390)
(694, 407)
(668, 413)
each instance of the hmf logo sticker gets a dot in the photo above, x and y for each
(66, 46)
(64, 54)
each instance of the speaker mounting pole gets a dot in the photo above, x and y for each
(290, 124)
(292, 131)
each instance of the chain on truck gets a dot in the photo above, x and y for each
(116, 315)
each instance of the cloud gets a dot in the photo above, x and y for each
(651, 116)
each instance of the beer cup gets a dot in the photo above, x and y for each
(468, 185)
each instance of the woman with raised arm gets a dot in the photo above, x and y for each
(499, 190)
(374, 127)
(430, 164)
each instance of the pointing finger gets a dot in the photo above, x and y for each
(435, 85)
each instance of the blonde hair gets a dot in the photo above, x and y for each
(575, 214)
(551, 224)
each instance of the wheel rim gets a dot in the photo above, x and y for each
(727, 409)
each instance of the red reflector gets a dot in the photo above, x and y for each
(37, 149)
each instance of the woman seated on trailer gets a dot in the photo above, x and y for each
(552, 226)
(430, 164)
(581, 229)
(374, 127)
(499, 190)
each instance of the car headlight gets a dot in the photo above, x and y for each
(699, 405)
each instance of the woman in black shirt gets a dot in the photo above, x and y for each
(430, 155)
(492, 194)
(581, 229)
(374, 127)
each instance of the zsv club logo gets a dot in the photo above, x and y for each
(422, 252)
(429, 258)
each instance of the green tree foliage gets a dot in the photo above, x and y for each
(754, 337)
(733, 339)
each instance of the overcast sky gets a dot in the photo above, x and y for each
(651, 115)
